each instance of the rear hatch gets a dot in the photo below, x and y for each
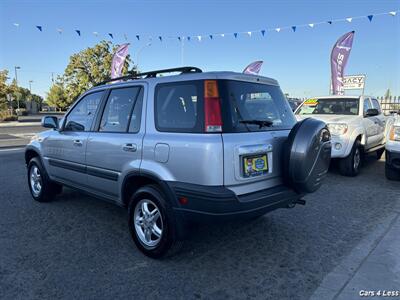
(256, 120)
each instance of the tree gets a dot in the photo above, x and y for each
(57, 96)
(88, 67)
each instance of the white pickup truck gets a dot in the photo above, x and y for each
(392, 165)
(357, 126)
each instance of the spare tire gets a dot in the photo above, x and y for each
(307, 155)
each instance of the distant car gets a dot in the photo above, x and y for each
(294, 103)
(392, 165)
(357, 126)
(179, 149)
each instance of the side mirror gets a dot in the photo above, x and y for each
(371, 112)
(50, 122)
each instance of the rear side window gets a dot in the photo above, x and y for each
(179, 107)
(118, 110)
(247, 101)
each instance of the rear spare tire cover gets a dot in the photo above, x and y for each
(307, 155)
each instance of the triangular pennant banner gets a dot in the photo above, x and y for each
(188, 38)
(16, 24)
(263, 32)
(370, 17)
(249, 33)
(235, 35)
(392, 13)
(211, 36)
(78, 32)
(39, 27)
(294, 28)
(179, 38)
(111, 35)
(160, 38)
(349, 20)
(59, 30)
(138, 37)
(199, 38)
(277, 29)
(222, 34)
(311, 25)
(330, 22)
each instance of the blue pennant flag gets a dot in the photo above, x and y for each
(111, 35)
(330, 22)
(39, 27)
(160, 38)
(263, 32)
(211, 36)
(188, 38)
(138, 37)
(179, 38)
(78, 32)
(370, 17)
(235, 34)
(294, 28)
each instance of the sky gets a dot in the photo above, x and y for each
(298, 60)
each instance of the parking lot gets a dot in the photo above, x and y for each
(79, 247)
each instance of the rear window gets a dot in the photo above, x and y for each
(246, 101)
(179, 107)
(329, 106)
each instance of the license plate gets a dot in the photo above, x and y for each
(255, 165)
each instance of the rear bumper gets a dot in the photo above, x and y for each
(208, 203)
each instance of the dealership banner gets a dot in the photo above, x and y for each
(339, 56)
(118, 60)
(353, 82)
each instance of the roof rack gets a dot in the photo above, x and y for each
(152, 74)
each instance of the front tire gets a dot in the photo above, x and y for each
(391, 174)
(350, 165)
(41, 187)
(152, 224)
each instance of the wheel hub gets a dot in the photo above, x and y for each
(35, 180)
(148, 223)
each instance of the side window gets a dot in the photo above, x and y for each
(177, 107)
(136, 117)
(116, 115)
(367, 105)
(375, 104)
(82, 115)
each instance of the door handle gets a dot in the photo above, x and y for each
(129, 147)
(78, 143)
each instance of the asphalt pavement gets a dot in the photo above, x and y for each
(79, 247)
(19, 134)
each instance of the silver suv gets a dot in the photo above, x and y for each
(179, 149)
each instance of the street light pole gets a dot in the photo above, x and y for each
(139, 51)
(16, 83)
(30, 87)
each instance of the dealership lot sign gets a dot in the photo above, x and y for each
(353, 82)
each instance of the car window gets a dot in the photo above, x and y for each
(375, 104)
(134, 126)
(367, 105)
(117, 112)
(177, 107)
(329, 106)
(81, 116)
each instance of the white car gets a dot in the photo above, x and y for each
(392, 166)
(357, 126)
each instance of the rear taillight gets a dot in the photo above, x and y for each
(212, 107)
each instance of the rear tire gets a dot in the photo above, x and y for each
(152, 224)
(391, 174)
(350, 165)
(41, 187)
(379, 153)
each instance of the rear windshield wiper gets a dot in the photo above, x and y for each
(261, 123)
